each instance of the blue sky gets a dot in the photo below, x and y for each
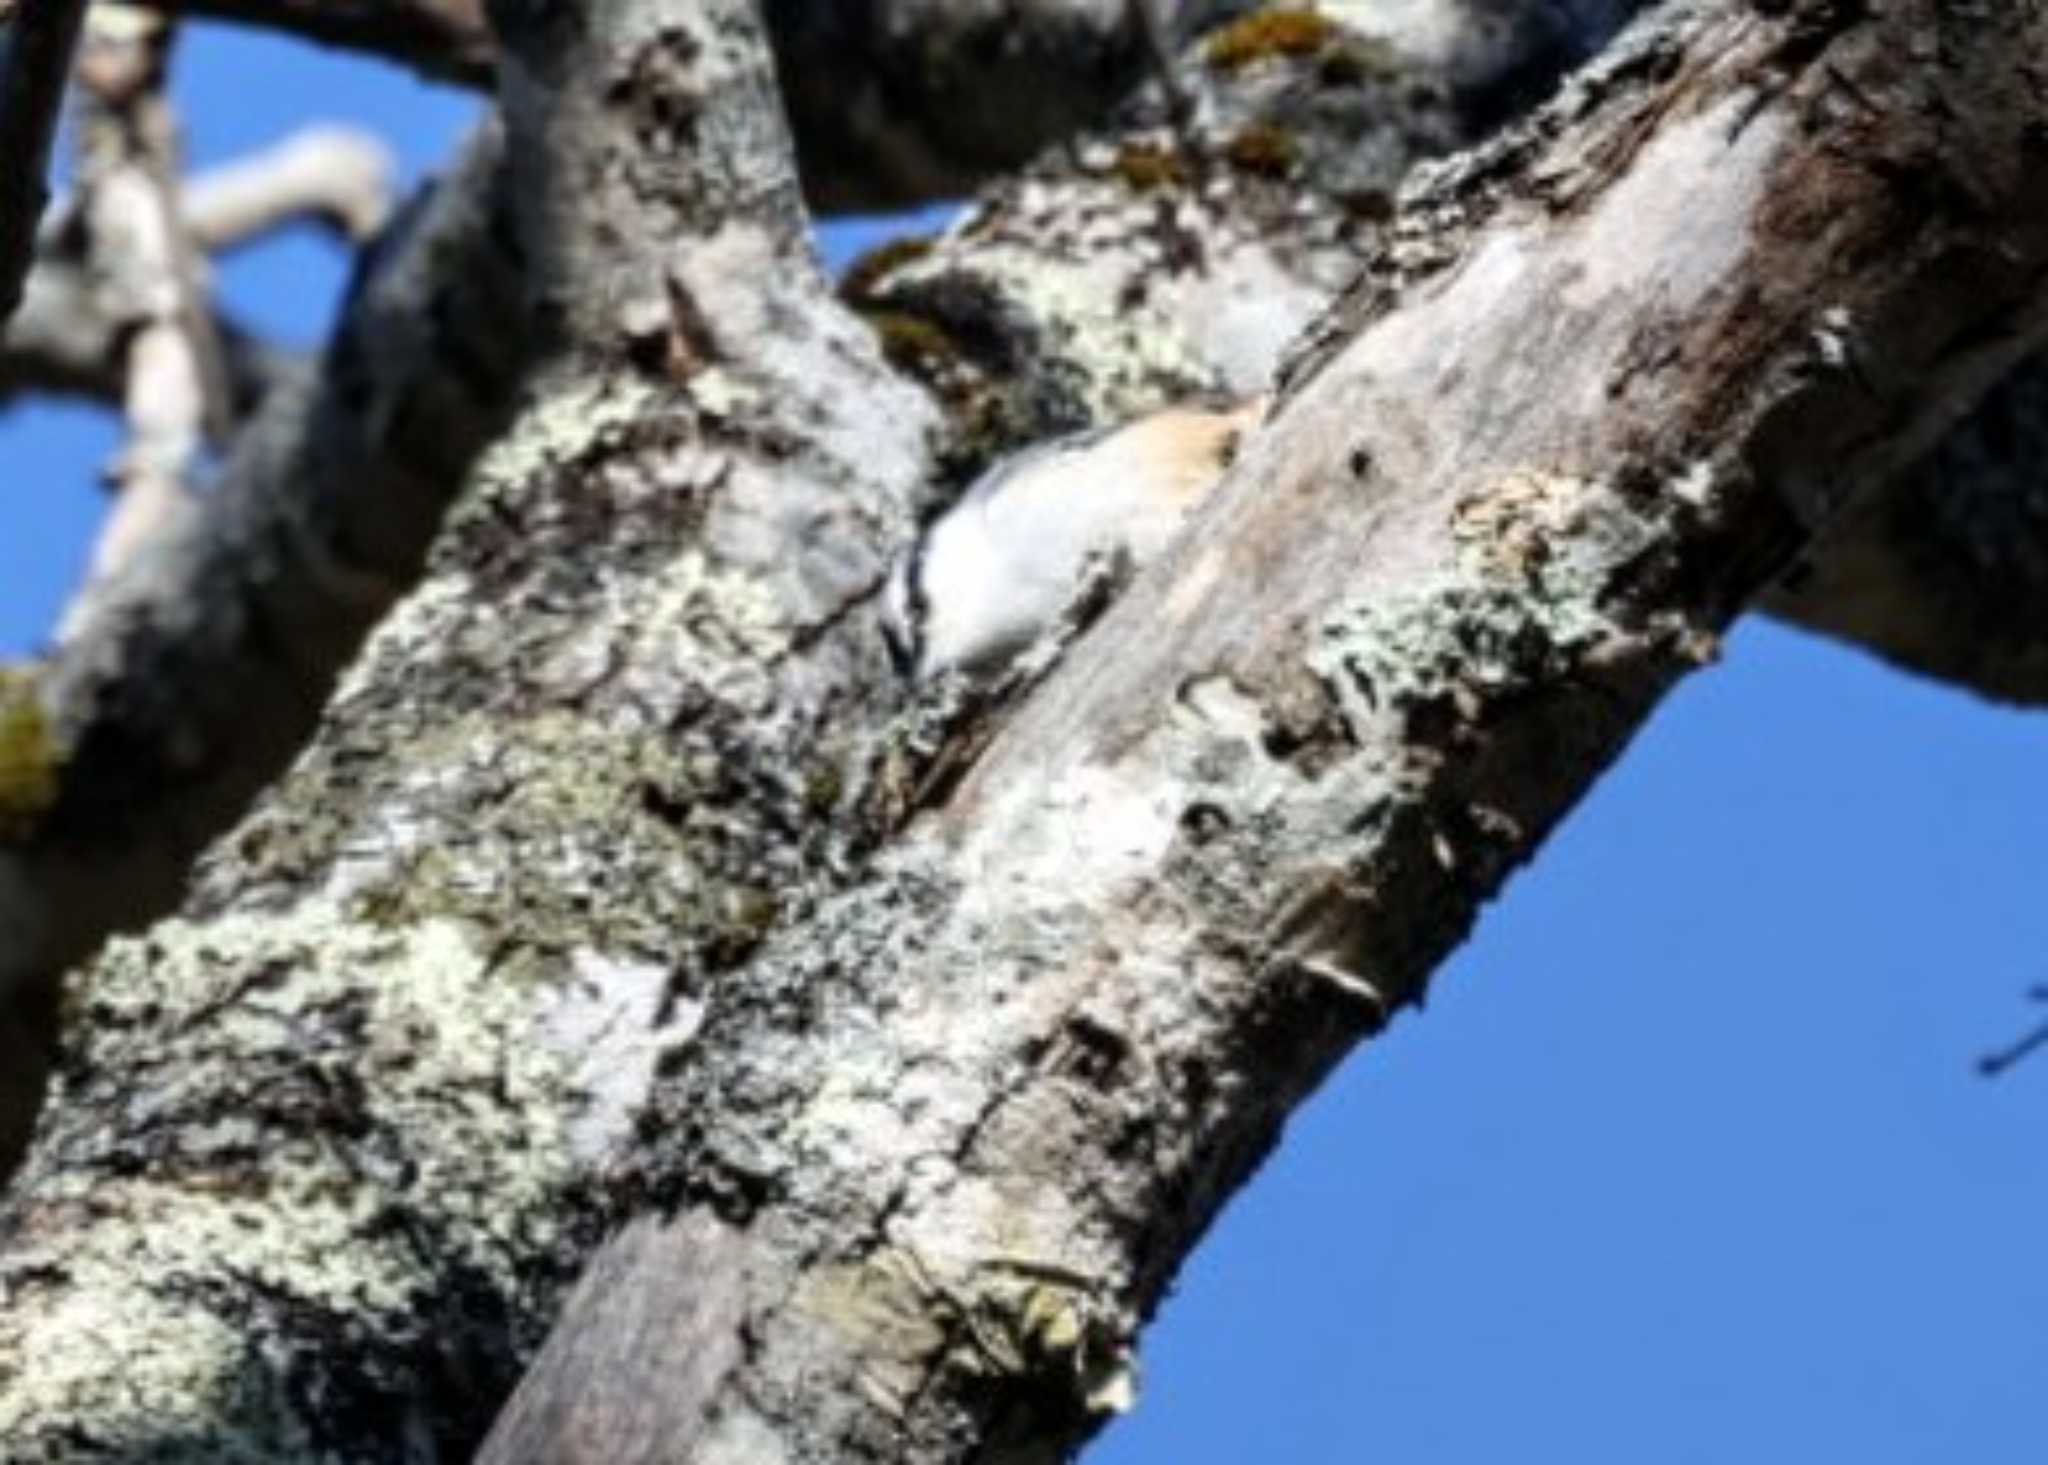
(1687, 1160)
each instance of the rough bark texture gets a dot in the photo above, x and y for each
(965, 1120)
(1199, 267)
(609, 892)
(189, 681)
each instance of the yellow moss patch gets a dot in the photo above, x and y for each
(868, 270)
(29, 755)
(912, 343)
(1269, 33)
(1145, 165)
(1263, 149)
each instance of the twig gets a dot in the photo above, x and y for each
(1999, 1060)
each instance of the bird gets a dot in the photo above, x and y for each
(989, 575)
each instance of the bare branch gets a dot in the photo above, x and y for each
(337, 176)
(36, 42)
(175, 390)
(550, 926)
(446, 39)
(66, 340)
(70, 333)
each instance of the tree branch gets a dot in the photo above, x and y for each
(901, 102)
(198, 672)
(340, 177)
(964, 1122)
(73, 323)
(36, 42)
(550, 926)
(449, 40)
(174, 390)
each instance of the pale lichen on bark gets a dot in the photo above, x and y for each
(550, 930)
(261, 1217)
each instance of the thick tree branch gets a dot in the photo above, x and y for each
(36, 42)
(199, 671)
(963, 1124)
(776, 480)
(550, 924)
(446, 39)
(900, 102)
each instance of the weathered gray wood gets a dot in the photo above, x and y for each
(605, 892)
(1602, 381)
(669, 1291)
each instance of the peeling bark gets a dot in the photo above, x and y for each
(1602, 379)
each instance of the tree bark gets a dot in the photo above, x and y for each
(177, 697)
(963, 1123)
(1212, 239)
(194, 676)
(908, 1050)
(899, 102)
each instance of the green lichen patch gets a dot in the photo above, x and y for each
(1278, 32)
(574, 836)
(362, 1120)
(30, 755)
